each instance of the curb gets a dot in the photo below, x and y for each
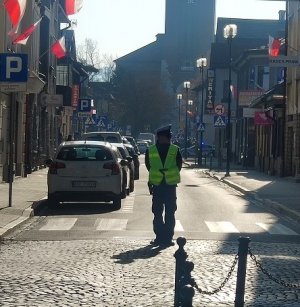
(21, 219)
(270, 204)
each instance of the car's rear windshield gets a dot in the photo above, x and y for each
(110, 139)
(84, 153)
(94, 138)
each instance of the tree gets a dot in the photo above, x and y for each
(89, 55)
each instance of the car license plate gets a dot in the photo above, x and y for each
(83, 184)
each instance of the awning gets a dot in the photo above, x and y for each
(273, 98)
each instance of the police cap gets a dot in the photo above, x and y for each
(165, 130)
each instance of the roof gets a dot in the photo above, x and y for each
(273, 98)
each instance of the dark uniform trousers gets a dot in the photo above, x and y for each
(164, 200)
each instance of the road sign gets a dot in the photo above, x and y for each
(102, 122)
(90, 121)
(219, 121)
(201, 127)
(13, 67)
(13, 72)
(84, 105)
(219, 109)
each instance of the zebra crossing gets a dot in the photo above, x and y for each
(121, 224)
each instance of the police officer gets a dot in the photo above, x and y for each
(163, 161)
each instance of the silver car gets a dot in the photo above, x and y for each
(86, 171)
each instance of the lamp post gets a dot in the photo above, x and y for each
(230, 32)
(186, 85)
(190, 104)
(201, 63)
(179, 97)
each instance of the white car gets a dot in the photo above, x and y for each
(105, 136)
(86, 171)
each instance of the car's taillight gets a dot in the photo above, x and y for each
(114, 167)
(54, 166)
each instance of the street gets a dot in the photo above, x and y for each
(89, 255)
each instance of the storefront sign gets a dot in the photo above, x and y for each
(246, 97)
(249, 112)
(284, 61)
(210, 91)
(75, 96)
(261, 118)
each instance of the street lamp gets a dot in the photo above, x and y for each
(230, 32)
(186, 85)
(201, 63)
(190, 104)
(179, 97)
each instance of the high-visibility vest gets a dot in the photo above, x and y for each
(169, 170)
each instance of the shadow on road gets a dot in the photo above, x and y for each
(145, 252)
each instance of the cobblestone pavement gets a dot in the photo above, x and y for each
(115, 272)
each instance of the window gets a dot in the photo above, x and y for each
(84, 153)
(62, 75)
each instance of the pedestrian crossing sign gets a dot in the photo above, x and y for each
(219, 121)
(201, 127)
(90, 121)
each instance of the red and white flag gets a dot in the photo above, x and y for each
(73, 6)
(23, 37)
(274, 46)
(59, 48)
(15, 10)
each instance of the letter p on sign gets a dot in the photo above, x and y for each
(13, 65)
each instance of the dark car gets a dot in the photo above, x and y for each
(136, 160)
(125, 155)
(132, 141)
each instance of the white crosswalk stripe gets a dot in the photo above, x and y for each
(224, 227)
(60, 223)
(178, 226)
(111, 224)
(119, 224)
(127, 206)
(276, 229)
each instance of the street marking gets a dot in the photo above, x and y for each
(111, 224)
(178, 226)
(225, 227)
(277, 229)
(127, 206)
(59, 224)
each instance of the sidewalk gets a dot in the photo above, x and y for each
(281, 194)
(26, 194)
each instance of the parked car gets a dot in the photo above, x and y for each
(86, 171)
(142, 146)
(147, 136)
(105, 136)
(132, 141)
(206, 150)
(130, 164)
(136, 160)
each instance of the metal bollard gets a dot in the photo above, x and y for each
(241, 273)
(210, 161)
(188, 293)
(180, 258)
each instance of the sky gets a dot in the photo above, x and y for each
(122, 26)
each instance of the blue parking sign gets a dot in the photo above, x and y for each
(13, 67)
(84, 105)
